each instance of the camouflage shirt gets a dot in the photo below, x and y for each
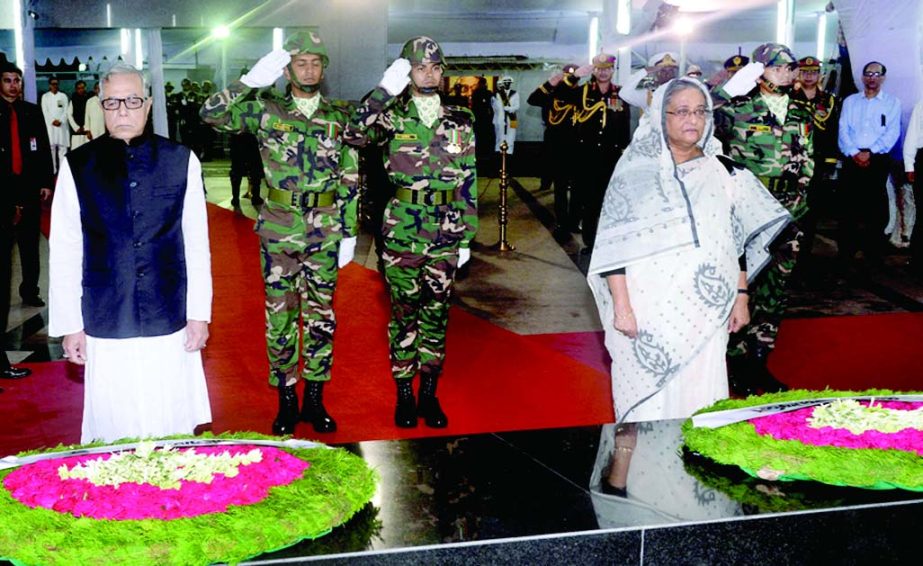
(767, 148)
(299, 154)
(419, 158)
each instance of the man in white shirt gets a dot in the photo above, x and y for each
(870, 125)
(130, 274)
(54, 108)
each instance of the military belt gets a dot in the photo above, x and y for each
(776, 183)
(430, 198)
(301, 199)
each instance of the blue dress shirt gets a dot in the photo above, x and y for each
(872, 123)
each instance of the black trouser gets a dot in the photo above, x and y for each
(592, 182)
(820, 204)
(863, 207)
(561, 164)
(916, 239)
(6, 273)
(26, 234)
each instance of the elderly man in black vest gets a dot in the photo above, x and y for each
(26, 173)
(130, 274)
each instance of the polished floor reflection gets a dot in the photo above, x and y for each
(524, 484)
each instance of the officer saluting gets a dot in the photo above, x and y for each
(307, 226)
(429, 224)
(769, 134)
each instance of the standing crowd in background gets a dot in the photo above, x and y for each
(768, 123)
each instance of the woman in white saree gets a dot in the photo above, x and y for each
(681, 231)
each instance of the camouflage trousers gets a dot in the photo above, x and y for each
(768, 295)
(420, 279)
(300, 281)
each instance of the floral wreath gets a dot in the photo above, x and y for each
(869, 443)
(196, 505)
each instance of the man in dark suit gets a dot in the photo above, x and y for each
(26, 175)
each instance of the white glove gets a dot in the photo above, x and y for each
(396, 77)
(744, 80)
(347, 251)
(584, 71)
(267, 69)
(464, 254)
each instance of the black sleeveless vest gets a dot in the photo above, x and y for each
(131, 207)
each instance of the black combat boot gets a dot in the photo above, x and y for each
(255, 183)
(760, 375)
(313, 411)
(235, 192)
(428, 405)
(288, 410)
(739, 376)
(405, 415)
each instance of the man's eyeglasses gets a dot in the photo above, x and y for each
(873, 74)
(131, 103)
(684, 113)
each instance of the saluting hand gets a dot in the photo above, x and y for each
(396, 77)
(267, 70)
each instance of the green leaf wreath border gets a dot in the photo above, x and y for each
(333, 489)
(740, 445)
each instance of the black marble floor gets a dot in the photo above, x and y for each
(533, 497)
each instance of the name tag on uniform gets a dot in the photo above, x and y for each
(283, 127)
(33, 144)
(758, 128)
(405, 137)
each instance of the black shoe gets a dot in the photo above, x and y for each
(313, 411)
(760, 376)
(428, 406)
(256, 202)
(288, 411)
(405, 414)
(15, 373)
(610, 489)
(432, 414)
(35, 301)
(739, 376)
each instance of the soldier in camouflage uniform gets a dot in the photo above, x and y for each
(826, 110)
(429, 154)
(770, 134)
(307, 226)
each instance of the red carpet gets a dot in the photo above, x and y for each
(494, 380)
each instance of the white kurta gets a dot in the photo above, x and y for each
(94, 119)
(133, 387)
(504, 126)
(54, 107)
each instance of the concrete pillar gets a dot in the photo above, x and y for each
(30, 90)
(155, 67)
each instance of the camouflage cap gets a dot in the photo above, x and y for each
(422, 49)
(604, 60)
(306, 42)
(736, 62)
(809, 64)
(773, 55)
